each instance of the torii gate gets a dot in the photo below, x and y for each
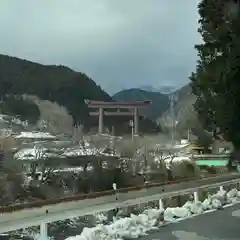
(133, 106)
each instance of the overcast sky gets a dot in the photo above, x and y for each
(118, 43)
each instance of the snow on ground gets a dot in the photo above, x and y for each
(34, 153)
(175, 159)
(81, 151)
(73, 169)
(37, 153)
(151, 219)
(178, 159)
(35, 135)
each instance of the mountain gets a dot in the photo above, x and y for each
(184, 112)
(160, 111)
(165, 89)
(148, 88)
(160, 102)
(57, 84)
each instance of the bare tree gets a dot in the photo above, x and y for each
(58, 118)
(78, 133)
(11, 180)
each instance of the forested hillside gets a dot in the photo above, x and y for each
(160, 102)
(183, 110)
(57, 84)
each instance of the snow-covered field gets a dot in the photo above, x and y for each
(151, 219)
(35, 135)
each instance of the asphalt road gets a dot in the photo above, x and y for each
(219, 225)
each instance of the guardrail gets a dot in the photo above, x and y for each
(80, 197)
(43, 212)
(94, 195)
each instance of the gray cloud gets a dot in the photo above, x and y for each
(119, 44)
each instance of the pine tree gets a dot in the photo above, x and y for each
(216, 81)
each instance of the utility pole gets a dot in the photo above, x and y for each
(113, 141)
(173, 99)
(189, 133)
(132, 127)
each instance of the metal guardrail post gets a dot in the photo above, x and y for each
(114, 185)
(43, 232)
(238, 186)
(195, 196)
(161, 203)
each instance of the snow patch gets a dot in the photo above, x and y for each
(175, 159)
(35, 153)
(81, 151)
(35, 135)
(139, 225)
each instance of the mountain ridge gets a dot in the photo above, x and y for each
(58, 84)
(164, 89)
(136, 94)
(161, 113)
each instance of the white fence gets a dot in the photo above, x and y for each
(13, 218)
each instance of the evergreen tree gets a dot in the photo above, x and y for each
(216, 81)
(16, 105)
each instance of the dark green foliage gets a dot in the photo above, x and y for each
(57, 84)
(210, 169)
(204, 140)
(216, 80)
(53, 83)
(17, 106)
(160, 102)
